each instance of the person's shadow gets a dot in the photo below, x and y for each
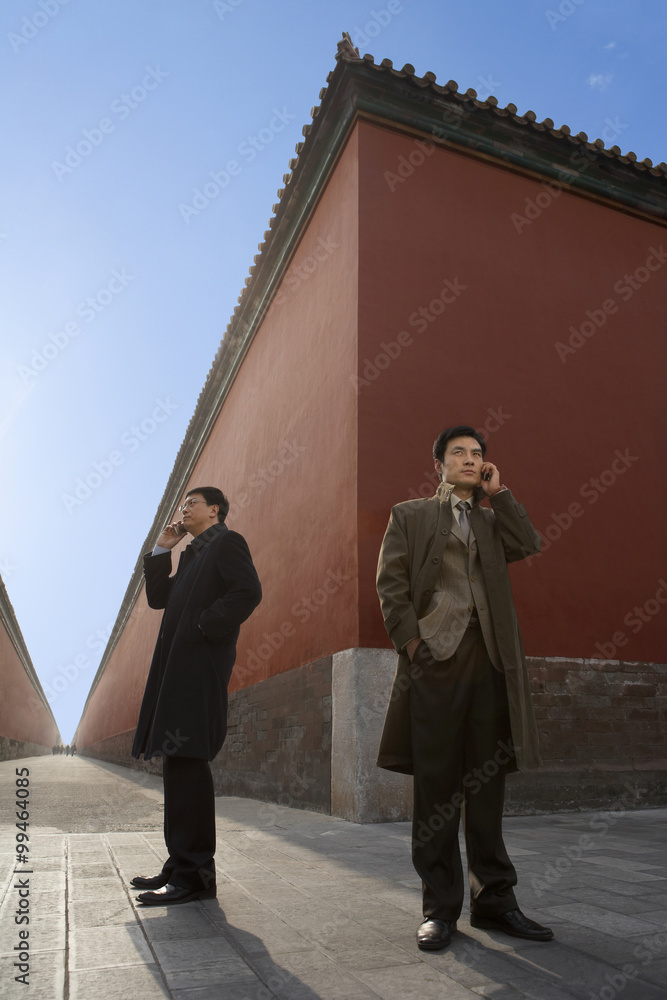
(194, 955)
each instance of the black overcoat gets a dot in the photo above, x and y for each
(184, 708)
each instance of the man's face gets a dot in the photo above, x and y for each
(462, 462)
(197, 514)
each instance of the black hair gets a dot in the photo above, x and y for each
(461, 430)
(212, 495)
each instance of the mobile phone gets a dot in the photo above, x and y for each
(486, 476)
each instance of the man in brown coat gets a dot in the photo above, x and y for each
(460, 714)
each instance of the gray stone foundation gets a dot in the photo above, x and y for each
(17, 749)
(308, 738)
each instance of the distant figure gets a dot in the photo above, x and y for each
(72, 749)
(67, 750)
(183, 716)
(54, 749)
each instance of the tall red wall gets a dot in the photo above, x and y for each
(23, 716)
(294, 388)
(558, 424)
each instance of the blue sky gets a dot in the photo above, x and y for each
(115, 294)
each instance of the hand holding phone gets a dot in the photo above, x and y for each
(171, 534)
(490, 478)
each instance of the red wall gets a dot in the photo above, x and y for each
(493, 349)
(22, 713)
(294, 386)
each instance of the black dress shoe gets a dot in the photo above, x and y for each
(150, 883)
(174, 894)
(515, 923)
(434, 935)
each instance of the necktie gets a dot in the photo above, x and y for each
(464, 519)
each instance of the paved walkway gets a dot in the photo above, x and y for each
(310, 907)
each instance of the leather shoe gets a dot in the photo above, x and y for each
(174, 894)
(434, 935)
(150, 883)
(513, 922)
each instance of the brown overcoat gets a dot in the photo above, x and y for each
(408, 569)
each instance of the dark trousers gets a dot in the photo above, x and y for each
(189, 822)
(461, 743)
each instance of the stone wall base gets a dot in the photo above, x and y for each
(17, 749)
(600, 729)
(278, 746)
(308, 738)
(551, 790)
(118, 750)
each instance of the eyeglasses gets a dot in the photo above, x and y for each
(189, 503)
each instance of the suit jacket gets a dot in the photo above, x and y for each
(408, 570)
(460, 587)
(184, 708)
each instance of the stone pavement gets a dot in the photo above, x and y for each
(311, 907)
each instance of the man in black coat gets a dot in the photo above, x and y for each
(183, 716)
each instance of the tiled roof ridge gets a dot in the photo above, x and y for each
(347, 53)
